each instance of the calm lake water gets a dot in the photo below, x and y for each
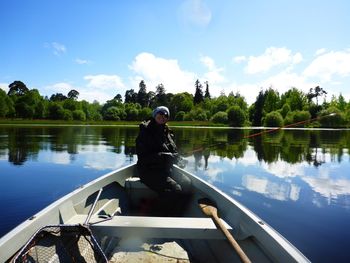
(296, 180)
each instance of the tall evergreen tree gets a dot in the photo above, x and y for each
(207, 94)
(198, 95)
(142, 97)
(161, 98)
(258, 109)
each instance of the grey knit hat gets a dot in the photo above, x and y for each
(163, 109)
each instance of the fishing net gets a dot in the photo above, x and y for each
(61, 243)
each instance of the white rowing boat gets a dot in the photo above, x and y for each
(127, 235)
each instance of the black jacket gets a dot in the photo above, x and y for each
(152, 141)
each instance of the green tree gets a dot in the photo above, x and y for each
(41, 109)
(23, 110)
(58, 97)
(315, 93)
(66, 115)
(145, 113)
(112, 114)
(337, 120)
(181, 102)
(4, 109)
(206, 94)
(198, 95)
(257, 110)
(55, 111)
(79, 115)
(220, 104)
(284, 110)
(220, 117)
(236, 116)
(17, 88)
(142, 97)
(130, 96)
(180, 116)
(271, 100)
(273, 119)
(161, 96)
(295, 98)
(73, 94)
(71, 104)
(118, 98)
(300, 116)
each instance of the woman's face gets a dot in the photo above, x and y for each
(161, 118)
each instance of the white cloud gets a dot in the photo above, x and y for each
(61, 87)
(320, 51)
(58, 158)
(239, 59)
(330, 188)
(109, 161)
(57, 48)
(81, 61)
(214, 75)
(272, 57)
(155, 70)
(89, 93)
(285, 80)
(4, 86)
(247, 90)
(328, 65)
(283, 169)
(278, 191)
(104, 82)
(195, 13)
(208, 62)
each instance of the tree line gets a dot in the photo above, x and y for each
(270, 108)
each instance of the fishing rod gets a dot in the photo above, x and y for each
(266, 131)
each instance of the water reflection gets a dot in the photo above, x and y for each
(316, 157)
(267, 164)
(290, 178)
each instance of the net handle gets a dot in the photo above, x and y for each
(92, 208)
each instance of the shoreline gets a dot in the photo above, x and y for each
(135, 125)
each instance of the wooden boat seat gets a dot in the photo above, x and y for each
(154, 227)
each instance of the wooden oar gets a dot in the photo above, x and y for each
(208, 208)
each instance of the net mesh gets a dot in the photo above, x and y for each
(61, 243)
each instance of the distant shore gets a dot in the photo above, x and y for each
(106, 123)
(174, 124)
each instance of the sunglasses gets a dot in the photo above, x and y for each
(163, 114)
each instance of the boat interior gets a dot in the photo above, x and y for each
(132, 224)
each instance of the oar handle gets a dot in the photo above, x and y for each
(244, 258)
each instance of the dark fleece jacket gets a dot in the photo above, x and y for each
(153, 139)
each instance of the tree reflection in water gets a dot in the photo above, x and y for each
(291, 146)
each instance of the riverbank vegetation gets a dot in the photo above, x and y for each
(270, 108)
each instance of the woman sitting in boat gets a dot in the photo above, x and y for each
(157, 152)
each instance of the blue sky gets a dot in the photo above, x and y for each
(105, 47)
